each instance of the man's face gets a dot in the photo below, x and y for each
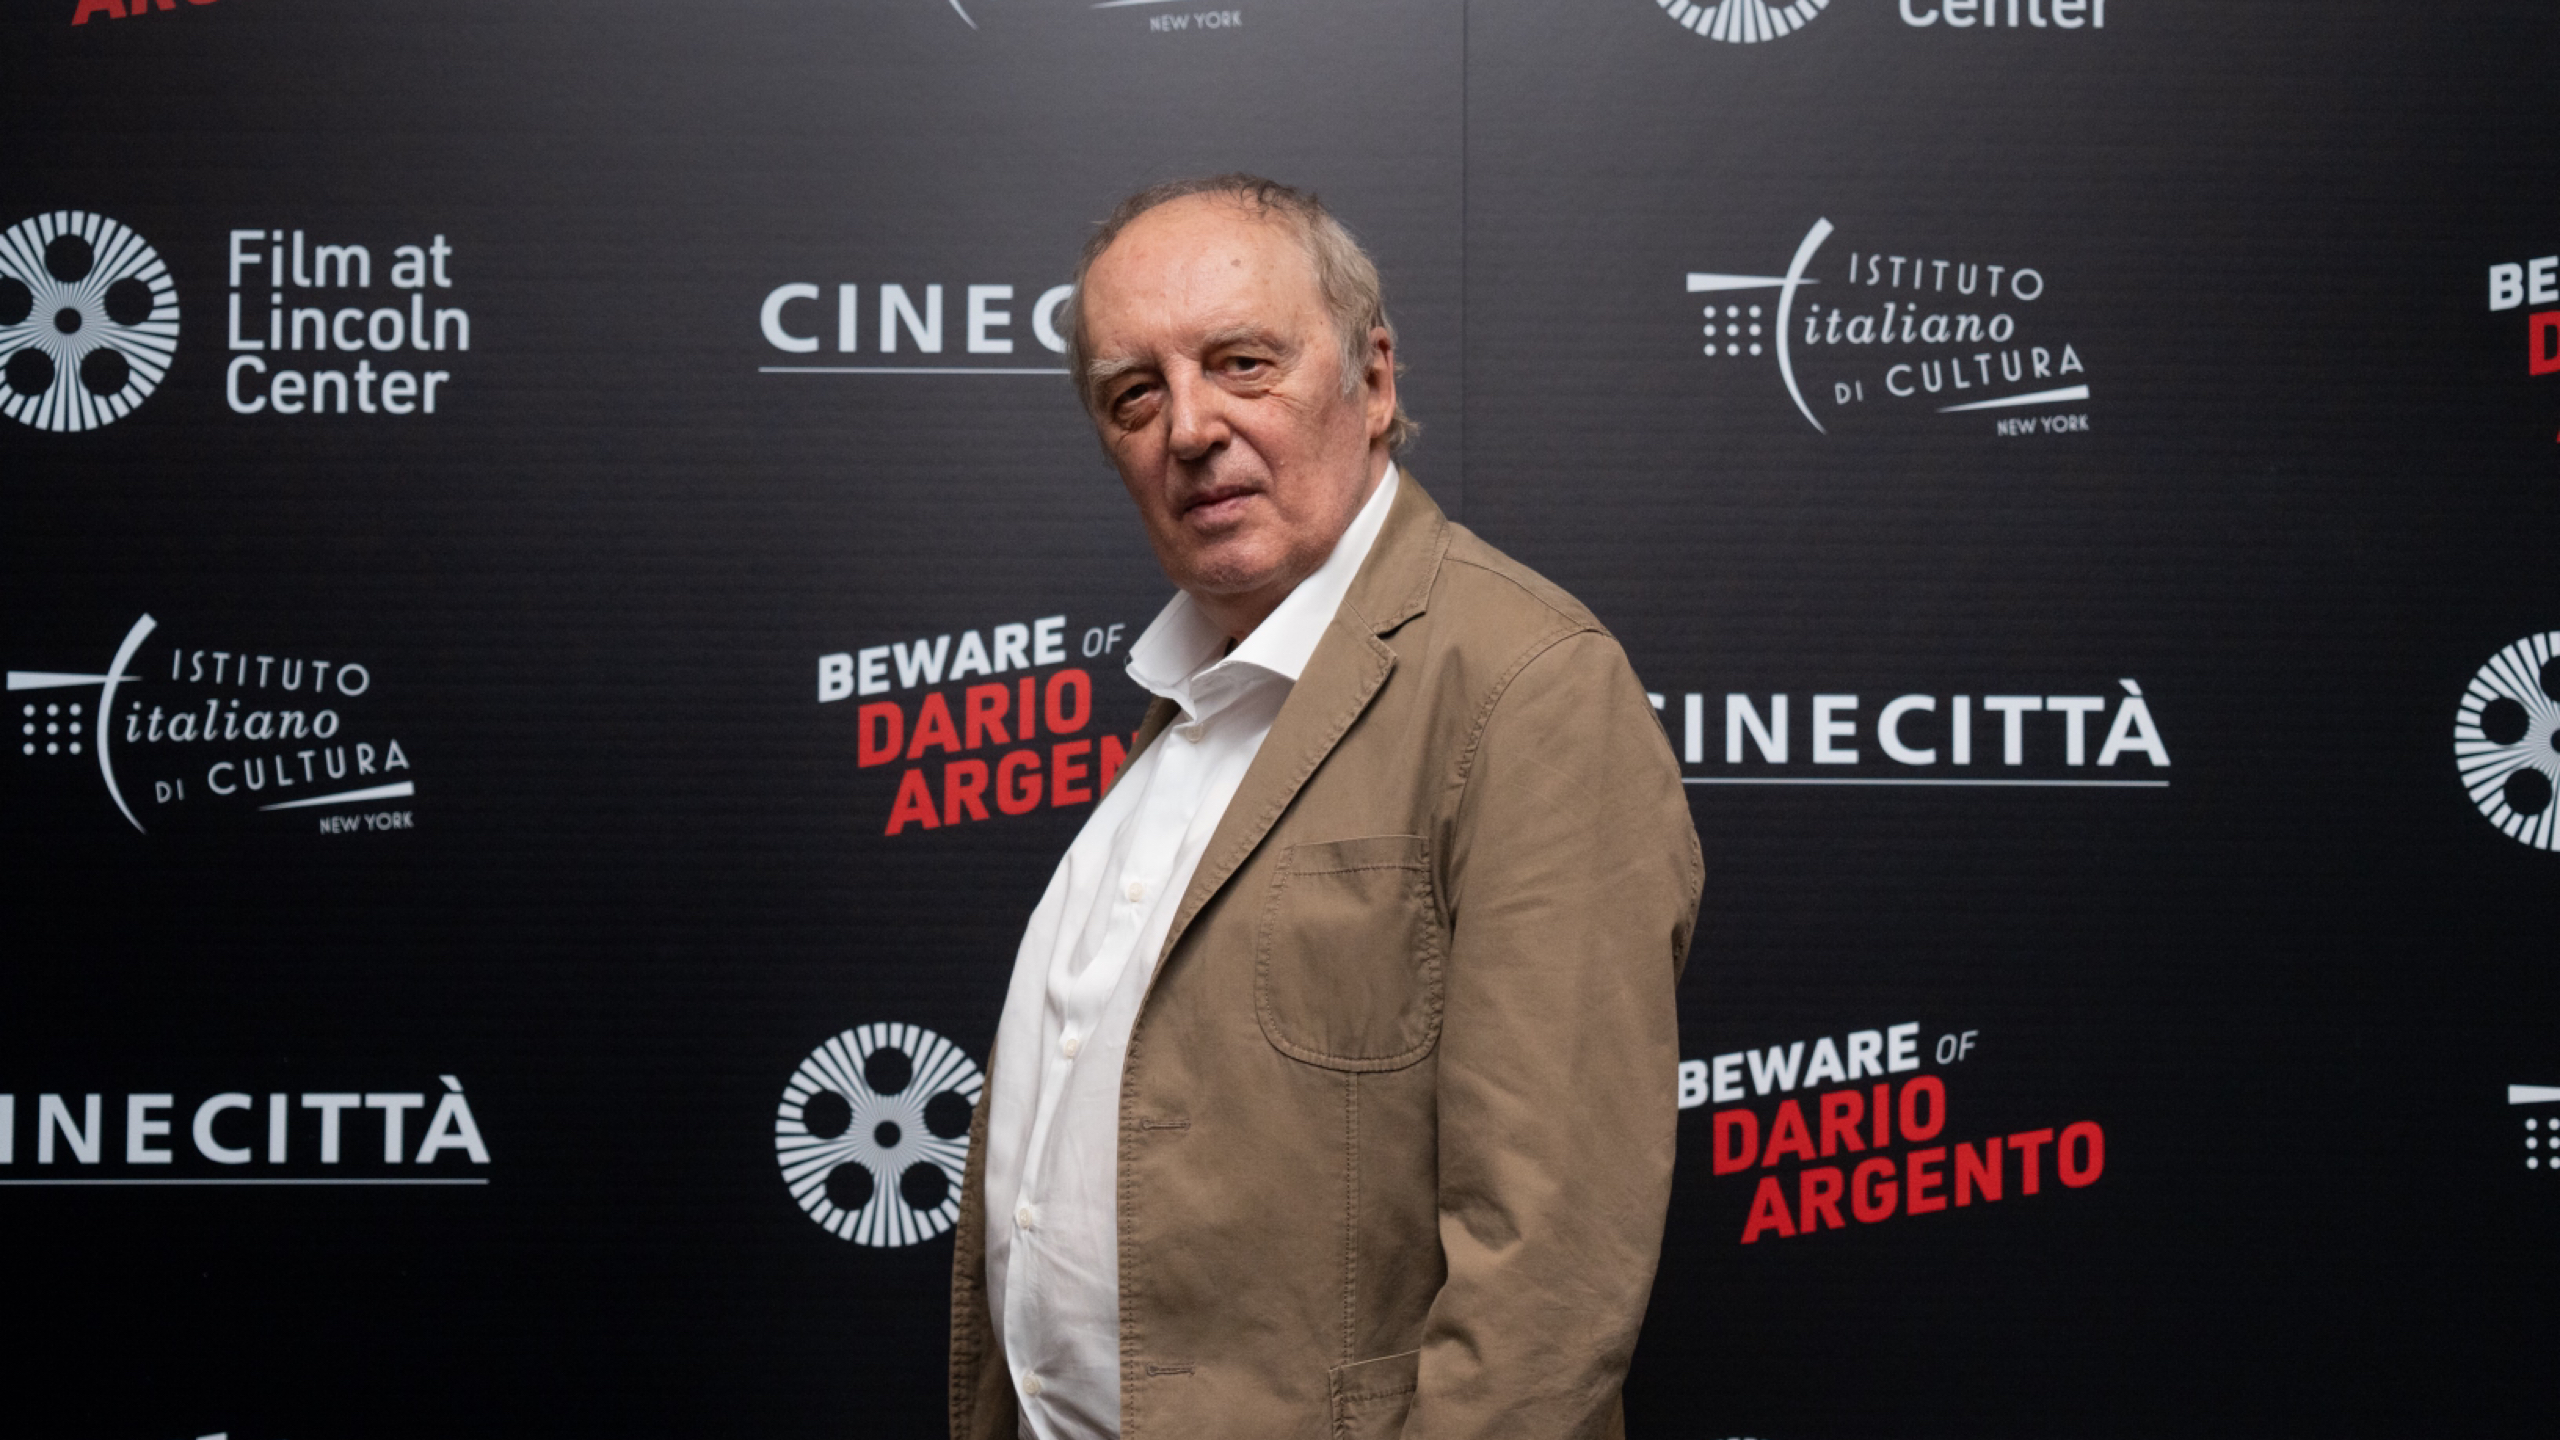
(1224, 407)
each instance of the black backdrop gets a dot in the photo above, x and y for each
(2264, 496)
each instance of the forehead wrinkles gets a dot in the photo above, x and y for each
(1210, 271)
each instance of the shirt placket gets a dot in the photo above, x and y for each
(1083, 995)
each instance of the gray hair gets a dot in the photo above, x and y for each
(1345, 275)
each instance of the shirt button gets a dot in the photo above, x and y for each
(1023, 1217)
(1031, 1386)
(1068, 1046)
(1137, 891)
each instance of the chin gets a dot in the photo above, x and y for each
(1217, 573)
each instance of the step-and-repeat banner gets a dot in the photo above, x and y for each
(558, 610)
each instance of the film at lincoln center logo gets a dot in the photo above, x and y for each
(1874, 333)
(2506, 740)
(184, 733)
(1194, 15)
(88, 321)
(1743, 22)
(873, 1133)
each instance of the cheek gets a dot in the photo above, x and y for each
(1283, 434)
(1142, 475)
(1136, 458)
(1318, 423)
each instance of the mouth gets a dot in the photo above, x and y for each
(1216, 505)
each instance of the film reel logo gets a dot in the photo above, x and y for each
(1743, 22)
(2507, 740)
(873, 1133)
(88, 321)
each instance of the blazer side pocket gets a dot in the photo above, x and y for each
(1373, 1397)
(1347, 958)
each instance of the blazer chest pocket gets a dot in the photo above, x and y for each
(1347, 957)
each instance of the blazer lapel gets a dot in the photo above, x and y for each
(1343, 675)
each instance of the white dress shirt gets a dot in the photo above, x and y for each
(1053, 1244)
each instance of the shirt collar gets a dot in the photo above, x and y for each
(1178, 655)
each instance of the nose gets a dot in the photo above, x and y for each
(1195, 414)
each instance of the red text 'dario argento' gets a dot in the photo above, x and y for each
(1010, 715)
(88, 10)
(1867, 1122)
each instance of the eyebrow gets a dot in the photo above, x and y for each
(1100, 373)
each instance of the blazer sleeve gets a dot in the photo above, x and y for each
(1572, 885)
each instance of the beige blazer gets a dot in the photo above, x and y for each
(1398, 1108)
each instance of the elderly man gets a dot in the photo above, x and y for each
(1334, 1093)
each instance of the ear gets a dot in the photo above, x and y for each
(1378, 383)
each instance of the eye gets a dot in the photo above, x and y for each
(1128, 396)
